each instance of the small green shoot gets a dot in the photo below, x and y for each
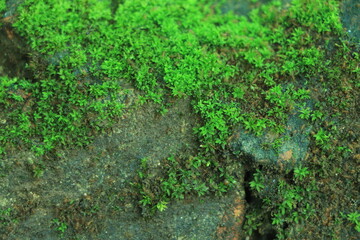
(301, 172)
(258, 182)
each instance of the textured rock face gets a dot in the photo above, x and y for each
(105, 170)
(350, 18)
(291, 149)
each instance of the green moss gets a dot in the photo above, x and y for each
(251, 72)
(2, 8)
(2, 5)
(182, 48)
(7, 217)
(182, 177)
(291, 205)
(321, 16)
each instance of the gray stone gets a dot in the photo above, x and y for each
(292, 149)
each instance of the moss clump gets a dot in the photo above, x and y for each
(224, 62)
(2, 5)
(2, 8)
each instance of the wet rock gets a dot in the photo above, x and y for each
(350, 18)
(290, 150)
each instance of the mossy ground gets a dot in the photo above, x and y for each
(251, 71)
